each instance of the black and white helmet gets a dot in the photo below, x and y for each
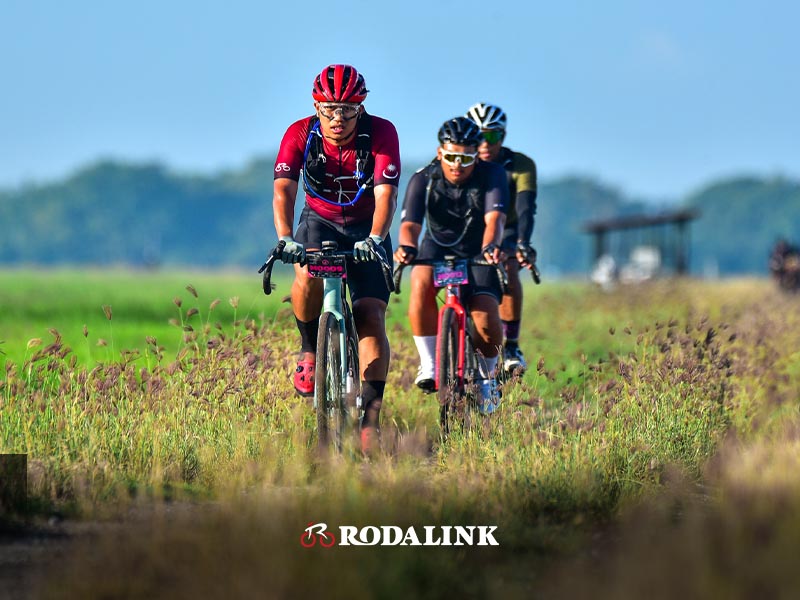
(487, 116)
(460, 131)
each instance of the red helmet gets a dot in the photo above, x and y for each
(339, 83)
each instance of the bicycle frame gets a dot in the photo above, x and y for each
(334, 288)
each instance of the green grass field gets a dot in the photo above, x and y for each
(651, 447)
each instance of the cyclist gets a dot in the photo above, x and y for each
(521, 173)
(350, 164)
(783, 264)
(463, 200)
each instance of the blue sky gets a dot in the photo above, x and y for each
(654, 98)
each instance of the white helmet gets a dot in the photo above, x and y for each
(487, 116)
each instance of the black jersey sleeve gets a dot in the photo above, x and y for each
(496, 189)
(414, 201)
(526, 209)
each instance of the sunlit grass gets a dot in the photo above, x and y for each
(627, 394)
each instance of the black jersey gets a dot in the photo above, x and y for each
(455, 214)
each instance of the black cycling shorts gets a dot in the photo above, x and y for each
(365, 279)
(482, 279)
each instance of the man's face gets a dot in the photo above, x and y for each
(338, 120)
(457, 161)
(489, 148)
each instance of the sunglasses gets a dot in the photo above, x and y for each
(492, 136)
(346, 111)
(464, 159)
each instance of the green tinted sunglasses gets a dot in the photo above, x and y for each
(492, 136)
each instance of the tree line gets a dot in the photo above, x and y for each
(145, 215)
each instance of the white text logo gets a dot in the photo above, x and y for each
(392, 535)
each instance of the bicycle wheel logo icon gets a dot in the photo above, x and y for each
(317, 532)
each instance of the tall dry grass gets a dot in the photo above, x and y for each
(653, 418)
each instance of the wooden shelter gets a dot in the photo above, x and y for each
(667, 232)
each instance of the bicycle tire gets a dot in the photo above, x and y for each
(328, 384)
(450, 385)
(474, 364)
(353, 388)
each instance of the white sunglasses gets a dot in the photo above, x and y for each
(346, 110)
(461, 157)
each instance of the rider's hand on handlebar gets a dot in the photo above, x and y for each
(293, 252)
(526, 254)
(405, 254)
(493, 253)
(369, 249)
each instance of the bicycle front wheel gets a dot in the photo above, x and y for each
(451, 387)
(353, 383)
(328, 384)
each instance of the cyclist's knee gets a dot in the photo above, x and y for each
(370, 316)
(421, 280)
(484, 303)
(306, 284)
(423, 293)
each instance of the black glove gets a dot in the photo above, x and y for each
(369, 249)
(411, 252)
(490, 250)
(293, 252)
(526, 254)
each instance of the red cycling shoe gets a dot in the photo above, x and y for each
(370, 441)
(304, 377)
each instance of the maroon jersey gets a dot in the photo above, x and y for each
(340, 165)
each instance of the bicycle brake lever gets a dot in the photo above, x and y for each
(386, 269)
(503, 277)
(537, 278)
(398, 276)
(266, 268)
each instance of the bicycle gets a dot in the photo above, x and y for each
(458, 363)
(337, 377)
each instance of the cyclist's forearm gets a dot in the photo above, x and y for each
(409, 234)
(385, 206)
(285, 191)
(493, 234)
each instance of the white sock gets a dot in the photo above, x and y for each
(426, 346)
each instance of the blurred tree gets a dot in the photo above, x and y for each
(144, 215)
